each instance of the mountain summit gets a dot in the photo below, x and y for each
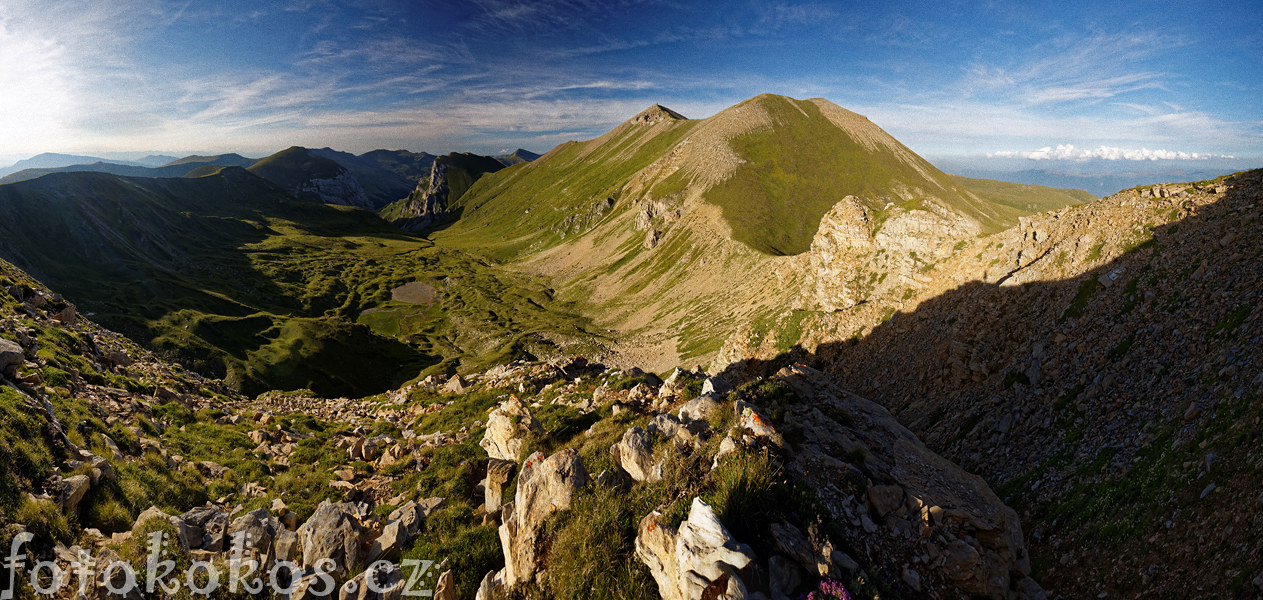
(656, 114)
(669, 223)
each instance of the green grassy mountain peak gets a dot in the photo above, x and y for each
(667, 224)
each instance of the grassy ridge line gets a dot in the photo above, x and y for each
(1013, 200)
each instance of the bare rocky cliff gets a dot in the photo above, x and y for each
(343, 189)
(450, 177)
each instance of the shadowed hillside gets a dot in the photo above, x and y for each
(1113, 408)
(233, 276)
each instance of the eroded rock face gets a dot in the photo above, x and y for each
(428, 201)
(70, 492)
(855, 255)
(699, 557)
(507, 428)
(914, 492)
(343, 189)
(498, 474)
(845, 231)
(544, 487)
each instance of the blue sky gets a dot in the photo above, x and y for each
(1077, 80)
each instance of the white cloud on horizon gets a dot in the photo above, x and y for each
(1069, 152)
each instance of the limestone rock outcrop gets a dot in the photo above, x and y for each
(545, 485)
(698, 559)
(858, 253)
(507, 429)
(634, 454)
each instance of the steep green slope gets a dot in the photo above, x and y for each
(798, 168)
(1013, 200)
(236, 278)
(666, 226)
(527, 205)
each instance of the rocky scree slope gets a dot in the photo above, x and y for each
(760, 492)
(1099, 365)
(104, 444)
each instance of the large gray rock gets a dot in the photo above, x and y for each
(333, 532)
(634, 454)
(215, 532)
(389, 545)
(544, 487)
(507, 429)
(409, 514)
(253, 534)
(70, 492)
(687, 561)
(11, 357)
(699, 408)
(286, 546)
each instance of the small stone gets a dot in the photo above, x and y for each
(1208, 489)
(911, 578)
(885, 498)
(868, 524)
(456, 385)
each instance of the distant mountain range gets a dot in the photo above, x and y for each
(370, 180)
(53, 160)
(176, 168)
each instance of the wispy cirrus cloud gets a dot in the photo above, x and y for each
(464, 75)
(1072, 68)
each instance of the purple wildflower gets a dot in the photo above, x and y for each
(828, 589)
